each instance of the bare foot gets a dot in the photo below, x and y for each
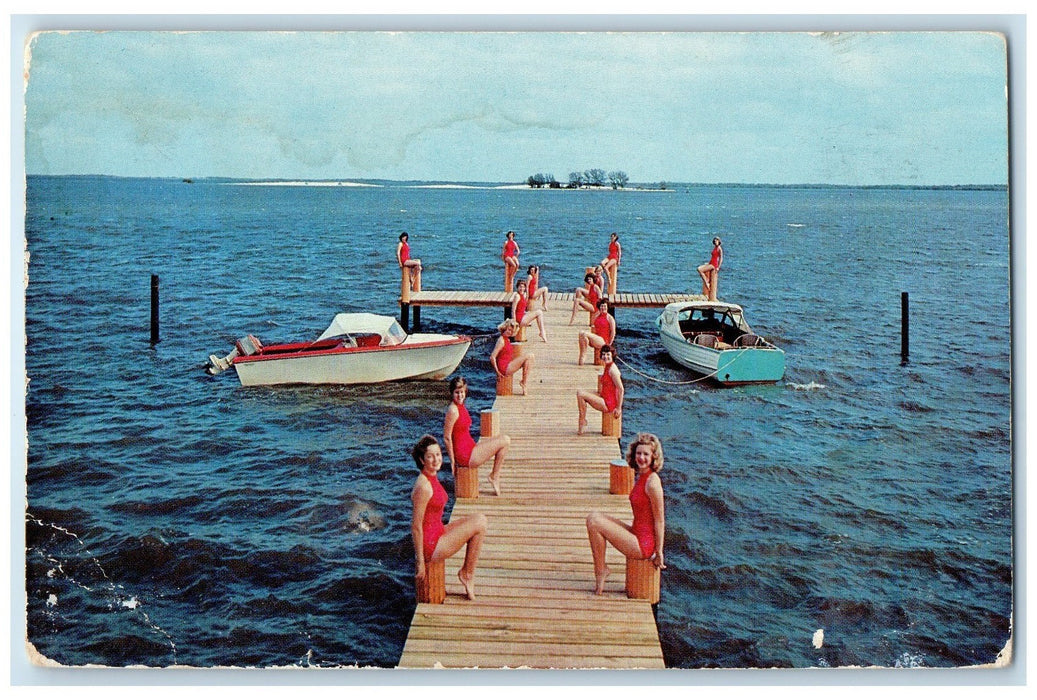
(469, 584)
(495, 485)
(583, 424)
(523, 385)
(599, 581)
(543, 337)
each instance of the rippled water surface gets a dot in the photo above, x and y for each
(177, 518)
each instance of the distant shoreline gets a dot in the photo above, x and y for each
(440, 184)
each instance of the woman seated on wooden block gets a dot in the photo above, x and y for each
(716, 259)
(536, 292)
(457, 436)
(586, 297)
(609, 398)
(520, 312)
(510, 255)
(602, 332)
(434, 541)
(644, 538)
(412, 265)
(503, 357)
(611, 263)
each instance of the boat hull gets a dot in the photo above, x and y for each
(413, 359)
(728, 367)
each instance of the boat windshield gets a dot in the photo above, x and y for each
(394, 335)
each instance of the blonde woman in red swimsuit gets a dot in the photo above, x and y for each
(434, 541)
(643, 539)
(503, 357)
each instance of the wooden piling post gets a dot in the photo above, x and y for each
(611, 426)
(154, 309)
(505, 385)
(489, 423)
(621, 477)
(714, 284)
(643, 580)
(433, 588)
(904, 327)
(466, 483)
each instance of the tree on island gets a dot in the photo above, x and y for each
(595, 177)
(618, 178)
(575, 180)
(541, 180)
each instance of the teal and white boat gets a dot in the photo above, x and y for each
(713, 339)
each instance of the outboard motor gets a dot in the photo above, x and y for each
(249, 345)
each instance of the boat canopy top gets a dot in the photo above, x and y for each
(358, 324)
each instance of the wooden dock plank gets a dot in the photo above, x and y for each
(535, 605)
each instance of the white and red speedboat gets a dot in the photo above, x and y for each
(355, 349)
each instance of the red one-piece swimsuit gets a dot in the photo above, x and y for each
(644, 522)
(504, 356)
(432, 526)
(608, 389)
(461, 437)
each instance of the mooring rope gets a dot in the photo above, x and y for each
(690, 381)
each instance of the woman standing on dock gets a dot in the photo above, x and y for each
(462, 449)
(706, 270)
(644, 538)
(407, 262)
(609, 397)
(510, 257)
(602, 332)
(503, 357)
(611, 263)
(434, 541)
(521, 314)
(586, 297)
(536, 292)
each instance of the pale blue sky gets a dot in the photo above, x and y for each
(853, 108)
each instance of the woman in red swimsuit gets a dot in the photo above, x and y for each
(457, 436)
(536, 292)
(611, 263)
(510, 256)
(406, 261)
(716, 259)
(602, 332)
(503, 357)
(586, 297)
(520, 310)
(434, 541)
(644, 538)
(609, 397)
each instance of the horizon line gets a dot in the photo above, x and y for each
(633, 185)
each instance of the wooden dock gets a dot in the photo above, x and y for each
(503, 299)
(535, 604)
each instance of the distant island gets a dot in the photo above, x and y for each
(594, 177)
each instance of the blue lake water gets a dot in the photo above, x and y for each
(177, 518)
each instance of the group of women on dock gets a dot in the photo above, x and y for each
(435, 541)
(642, 538)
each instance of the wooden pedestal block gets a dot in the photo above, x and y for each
(504, 385)
(405, 286)
(611, 427)
(643, 580)
(621, 477)
(714, 284)
(466, 483)
(509, 280)
(489, 423)
(433, 588)
(613, 282)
